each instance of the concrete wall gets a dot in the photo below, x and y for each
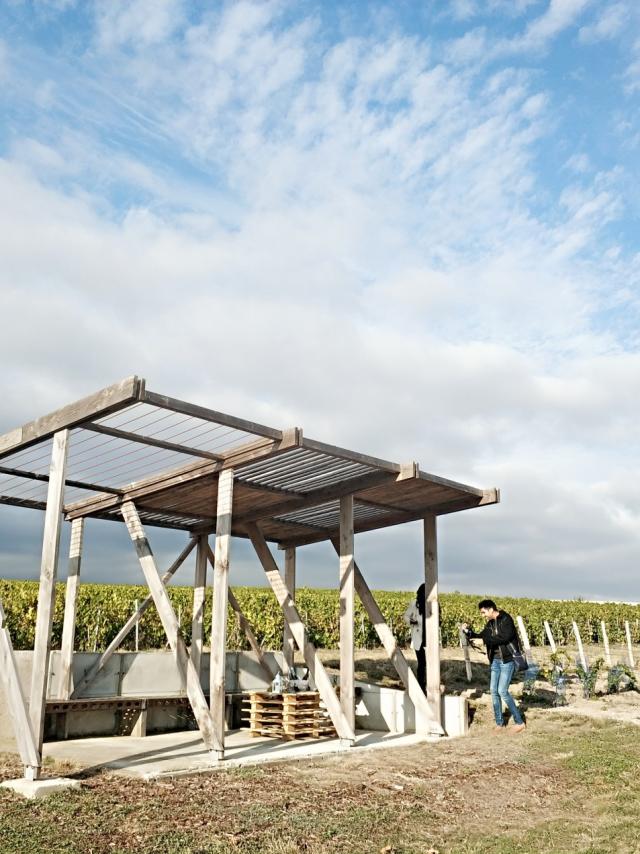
(388, 709)
(154, 674)
(134, 674)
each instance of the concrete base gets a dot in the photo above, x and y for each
(181, 753)
(36, 789)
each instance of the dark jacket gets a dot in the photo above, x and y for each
(498, 633)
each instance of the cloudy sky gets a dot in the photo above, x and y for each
(409, 227)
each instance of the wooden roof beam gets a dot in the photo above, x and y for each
(205, 414)
(489, 496)
(116, 433)
(317, 496)
(98, 405)
(75, 484)
(240, 455)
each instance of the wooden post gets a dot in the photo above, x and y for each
(25, 739)
(133, 620)
(47, 591)
(550, 638)
(605, 641)
(288, 643)
(70, 607)
(199, 594)
(347, 611)
(246, 627)
(425, 720)
(170, 624)
(292, 617)
(632, 663)
(136, 643)
(464, 646)
(525, 639)
(432, 615)
(582, 656)
(220, 601)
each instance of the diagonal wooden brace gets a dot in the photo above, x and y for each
(133, 620)
(424, 716)
(170, 624)
(246, 627)
(16, 703)
(292, 617)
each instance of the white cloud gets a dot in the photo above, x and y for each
(579, 163)
(608, 25)
(140, 23)
(559, 15)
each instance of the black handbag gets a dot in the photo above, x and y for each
(519, 659)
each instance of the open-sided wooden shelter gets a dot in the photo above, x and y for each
(129, 454)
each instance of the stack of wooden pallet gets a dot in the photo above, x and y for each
(287, 716)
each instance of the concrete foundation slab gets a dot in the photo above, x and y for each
(37, 789)
(176, 754)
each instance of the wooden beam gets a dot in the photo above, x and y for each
(157, 484)
(288, 643)
(220, 602)
(17, 707)
(150, 440)
(454, 484)
(246, 626)
(170, 624)
(98, 405)
(441, 509)
(316, 496)
(131, 623)
(352, 456)
(23, 502)
(47, 590)
(292, 617)
(75, 484)
(432, 616)
(70, 607)
(199, 596)
(212, 415)
(347, 606)
(425, 722)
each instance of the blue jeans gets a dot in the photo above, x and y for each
(501, 676)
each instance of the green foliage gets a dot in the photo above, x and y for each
(589, 676)
(102, 609)
(618, 675)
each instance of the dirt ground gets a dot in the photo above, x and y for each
(569, 783)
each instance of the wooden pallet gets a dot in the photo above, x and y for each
(287, 716)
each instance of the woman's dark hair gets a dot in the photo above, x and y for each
(487, 603)
(420, 599)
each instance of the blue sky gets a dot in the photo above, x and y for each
(410, 228)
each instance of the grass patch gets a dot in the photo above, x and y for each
(567, 785)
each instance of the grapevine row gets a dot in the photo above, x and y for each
(102, 610)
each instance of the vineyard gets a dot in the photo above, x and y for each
(102, 610)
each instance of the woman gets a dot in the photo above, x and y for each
(414, 616)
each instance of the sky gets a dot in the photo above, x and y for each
(410, 228)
